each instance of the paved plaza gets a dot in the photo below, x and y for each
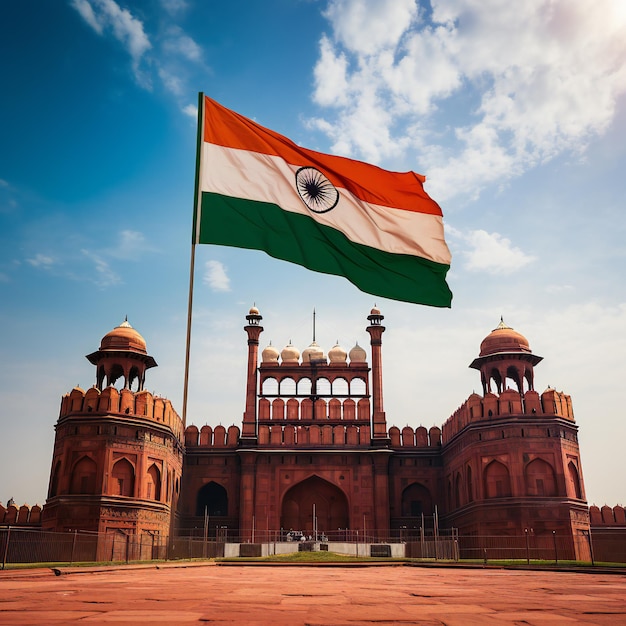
(271, 594)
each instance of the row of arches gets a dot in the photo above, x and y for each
(539, 480)
(322, 386)
(320, 409)
(120, 482)
(312, 494)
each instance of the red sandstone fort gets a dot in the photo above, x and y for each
(314, 453)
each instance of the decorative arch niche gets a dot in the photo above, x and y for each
(83, 479)
(331, 506)
(497, 480)
(416, 500)
(540, 479)
(122, 479)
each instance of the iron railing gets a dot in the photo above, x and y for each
(27, 545)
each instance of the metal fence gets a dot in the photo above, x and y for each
(22, 545)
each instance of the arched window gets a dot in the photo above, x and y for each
(497, 480)
(304, 387)
(540, 479)
(287, 387)
(574, 479)
(357, 387)
(323, 386)
(270, 387)
(153, 483)
(457, 491)
(470, 484)
(122, 479)
(84, 477)
(340, 387)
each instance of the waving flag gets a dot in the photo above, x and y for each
(259, 190)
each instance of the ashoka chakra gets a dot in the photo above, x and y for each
(316, 191)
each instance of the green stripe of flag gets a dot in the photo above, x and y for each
(300, 239)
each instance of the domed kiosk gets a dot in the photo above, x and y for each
(122, 354)
(505, 354)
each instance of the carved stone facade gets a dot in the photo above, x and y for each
(315, 438)
(118, 454)
(315, 453)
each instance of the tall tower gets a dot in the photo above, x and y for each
(379, 420)
(511, 459)
(117, 459)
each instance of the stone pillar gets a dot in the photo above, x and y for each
(381, 493)
(379, 420)
(246, 495)
(254, 330)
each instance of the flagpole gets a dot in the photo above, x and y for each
(194, 240)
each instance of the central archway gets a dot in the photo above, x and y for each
(331, 506)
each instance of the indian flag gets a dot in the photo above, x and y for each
(257, 189)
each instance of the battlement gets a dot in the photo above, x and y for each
(418, 438)
(281, 435)
(607, 516)
(124, 403)
(22, 516)
(208, 437)
(476, 408)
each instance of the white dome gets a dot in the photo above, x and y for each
(270, 354)
(357, 354)
(337, 354)
(290, 354)
(312, 352)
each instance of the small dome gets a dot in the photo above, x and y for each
(253, 311)
(375, 311)
(312, 352)
(337, 354)
(504, 339)
(124, 337)
(290, 354)
(270, 354)
(357, 354)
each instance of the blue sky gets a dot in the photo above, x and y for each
(516, 113)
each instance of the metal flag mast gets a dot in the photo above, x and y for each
(194, 240)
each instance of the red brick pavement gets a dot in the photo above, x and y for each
(266, 594)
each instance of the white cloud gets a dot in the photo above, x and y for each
(215, 276)
(41, 260)
(127, 29)
(174, 6)
(3, 183)
(191, 110)
(130, 245)
(489, 252)
(179, 43)
(543, 78)
(86, 11)
(171, 82)
(105, 275)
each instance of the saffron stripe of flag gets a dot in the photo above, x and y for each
(259, 190)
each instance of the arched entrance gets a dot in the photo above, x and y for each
(416, 500)
(331, 506)
(213, 500)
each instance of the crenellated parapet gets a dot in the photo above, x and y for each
(476, 408)
(122, 403)
(607, 516)
(415, 438)
(208, 437)
(25, 515)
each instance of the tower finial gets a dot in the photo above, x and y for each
(314, 324)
